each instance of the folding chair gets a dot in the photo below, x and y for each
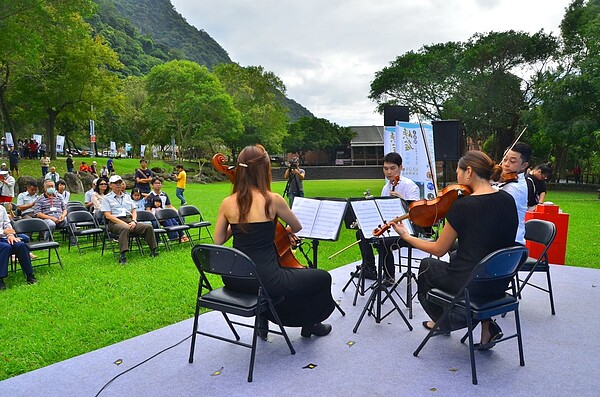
(159, 232)
(37, 227)
(169, 214)
(474, 302)
(220, 260)
(192, 211)
(83, 224)
(540, 232)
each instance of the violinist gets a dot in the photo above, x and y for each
(250, 215)
(514, 164)
(396, 186)
(483, 222)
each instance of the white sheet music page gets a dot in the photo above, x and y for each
(320, 219)
(393, 208)
(368, 216)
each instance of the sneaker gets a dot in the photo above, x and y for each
(122, 260)
(2, 285)
(31, 279)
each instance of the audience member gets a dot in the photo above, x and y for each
(70, 165)
(93, 170)
(13, 160)
(62, 192)
(121, 215)
(51, 208)
(138, 199)
(173, 236)
(87, 197)
(11, 244)
(45, 163)
(7, 187)
(143, 177)
(52, 175)
(101, 190)
(26, 200)
(83, 167)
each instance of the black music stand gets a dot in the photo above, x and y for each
(373, 304)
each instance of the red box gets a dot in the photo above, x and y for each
(558, 249)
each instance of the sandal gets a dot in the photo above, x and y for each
(184, 240)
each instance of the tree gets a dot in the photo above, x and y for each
(310, 133)
(188, 102)
(255, 94)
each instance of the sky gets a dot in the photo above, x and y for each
(327, 51)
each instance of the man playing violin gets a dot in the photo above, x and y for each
(515, 162)
(396, 186)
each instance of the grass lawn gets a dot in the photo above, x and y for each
(94, 302)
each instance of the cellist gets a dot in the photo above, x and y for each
(483, 222)
(250, 214)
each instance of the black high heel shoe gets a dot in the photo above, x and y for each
(319, 329)
(495, 335)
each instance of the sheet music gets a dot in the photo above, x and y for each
(320, 219)
(372, 214)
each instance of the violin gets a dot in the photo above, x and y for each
(509, 177)
(425, 213)
(282, 241)
(395, 182)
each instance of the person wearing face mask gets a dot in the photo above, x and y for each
(51, 208)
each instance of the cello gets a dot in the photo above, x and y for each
(282, 241)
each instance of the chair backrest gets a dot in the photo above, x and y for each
(31, 225)
(540, 231)
(145, 216)
(167, 213)
(493, 273)
(223, 261)
(188, 210)
(82, 216)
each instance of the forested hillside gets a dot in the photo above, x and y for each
(146, 33)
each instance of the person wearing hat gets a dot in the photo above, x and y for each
(52, 175)
(143, 177)
(92, 169)
(3, 167)
(7, 187)
(70, 165)
(11, 244)
(120, 213)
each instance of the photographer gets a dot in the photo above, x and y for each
(295, 176)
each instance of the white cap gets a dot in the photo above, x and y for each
(115, 178)
(95, 181)
(3, 164)
(3, 172)
(93, 162)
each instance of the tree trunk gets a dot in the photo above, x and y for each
(50, 144)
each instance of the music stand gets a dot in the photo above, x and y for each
(378, 288)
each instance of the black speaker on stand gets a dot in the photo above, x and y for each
(446, 142)
(391, 114)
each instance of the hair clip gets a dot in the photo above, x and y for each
(243, 165)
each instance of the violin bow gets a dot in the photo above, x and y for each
(514, 143)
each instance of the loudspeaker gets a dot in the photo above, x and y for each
(446, 140)
(391, 114)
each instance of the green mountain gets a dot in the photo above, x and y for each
(146, 33)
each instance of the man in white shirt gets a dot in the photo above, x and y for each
(396, 186)
(516, 161)
(26, 200)
(7, 187)
(119, 211)
(52, 175)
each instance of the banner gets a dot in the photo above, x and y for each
(60, 143)
(142, 150)
(407, 140)
(37, 138)
(9, 139)
(113, 148)
(92, 128)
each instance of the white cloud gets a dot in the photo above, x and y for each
(327, 52)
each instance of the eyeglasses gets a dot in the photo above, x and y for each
(104, 184)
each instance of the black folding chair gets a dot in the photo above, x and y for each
(159, 232)
(540, 232)
(83, 225)
(38, 229)
(191, 212)
(165, 214)
(475, 303)
(230, 262)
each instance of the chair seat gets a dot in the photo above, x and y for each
(530, 263)
(199, 224)
(443, 298)
(177, 228)
(87, 232)
(42, 245)
(232, 298)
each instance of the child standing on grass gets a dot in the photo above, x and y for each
(181, 181)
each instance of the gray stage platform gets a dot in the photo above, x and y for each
(561, 356)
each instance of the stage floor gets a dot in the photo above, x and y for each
(560, 356)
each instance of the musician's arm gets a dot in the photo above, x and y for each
(222, 227)
(438, 247)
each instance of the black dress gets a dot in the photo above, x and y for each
(307, 292)
(484, 223)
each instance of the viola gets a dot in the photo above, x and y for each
(509, 177)
(282, 241)
(425, 213)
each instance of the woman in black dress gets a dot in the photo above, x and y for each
(483, 222)
(250, 215)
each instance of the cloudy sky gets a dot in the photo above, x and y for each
(328, 51)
